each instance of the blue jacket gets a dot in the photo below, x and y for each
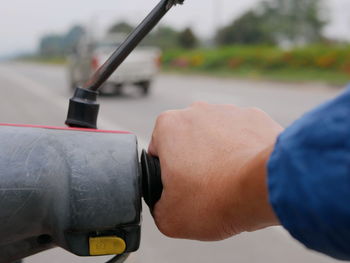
(309, 178)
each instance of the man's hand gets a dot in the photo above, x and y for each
(213, 160)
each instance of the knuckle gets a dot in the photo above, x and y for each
(164, 118)
(199, 104)
(255, 110)
(231, 106)
(161, 117)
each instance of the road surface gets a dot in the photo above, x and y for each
(37, 94)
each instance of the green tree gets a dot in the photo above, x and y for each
(187, 39)
(276, 22)
(72, 38)
(247, 29)
(51, 45)
(298, 22)
(121, 27)
(56, 45)
(164, 37)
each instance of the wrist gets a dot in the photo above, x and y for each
(253, 191)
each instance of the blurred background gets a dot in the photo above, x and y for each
(284, 56)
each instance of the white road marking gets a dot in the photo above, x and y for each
(57, 100)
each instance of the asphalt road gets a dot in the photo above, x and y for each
(37, 94)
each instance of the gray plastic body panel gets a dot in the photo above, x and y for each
(60, 187)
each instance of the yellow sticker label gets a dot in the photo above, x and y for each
(100, 246)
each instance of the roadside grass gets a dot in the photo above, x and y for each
(321, 63)
(284, 75)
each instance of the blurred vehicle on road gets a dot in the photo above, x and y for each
(139, 69)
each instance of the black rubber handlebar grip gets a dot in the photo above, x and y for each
(152, 185)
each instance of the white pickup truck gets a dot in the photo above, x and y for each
(138, 69)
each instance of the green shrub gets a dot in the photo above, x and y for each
(263, 58)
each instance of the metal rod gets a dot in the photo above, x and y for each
(117, 58)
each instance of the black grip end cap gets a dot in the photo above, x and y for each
(152, 185)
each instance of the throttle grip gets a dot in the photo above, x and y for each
(152, 185)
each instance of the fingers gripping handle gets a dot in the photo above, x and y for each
(152, 185)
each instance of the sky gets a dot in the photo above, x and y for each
(23, 22)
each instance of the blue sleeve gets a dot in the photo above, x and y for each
(309, 178)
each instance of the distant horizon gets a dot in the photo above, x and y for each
(204, 16)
